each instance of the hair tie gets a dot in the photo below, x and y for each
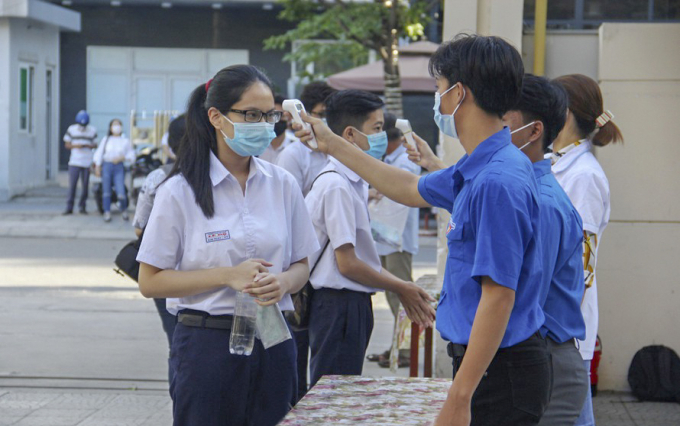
(207, 85)
(603, 119)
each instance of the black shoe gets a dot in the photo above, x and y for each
(67, 212)
(83, 211)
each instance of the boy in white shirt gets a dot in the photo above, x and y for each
(80, 140)
(349, 270)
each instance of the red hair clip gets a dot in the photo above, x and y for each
(207, 85)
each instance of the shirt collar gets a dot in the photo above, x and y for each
(218, 172)
(392, 157)
(345, 170)
(567, 155)
(470, 165)
(541, 168)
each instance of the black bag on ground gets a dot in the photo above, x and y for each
(126, 261)
(654, 374)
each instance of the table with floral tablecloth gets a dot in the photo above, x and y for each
(357, 400)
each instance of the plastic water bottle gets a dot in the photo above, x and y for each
(243, 329)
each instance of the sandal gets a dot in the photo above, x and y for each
(378, 357)
(401, 362)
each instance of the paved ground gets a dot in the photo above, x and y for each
(80, 346)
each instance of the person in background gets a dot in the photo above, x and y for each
(489, 308)
(109, 159)
(348, 269)
(281, 141)
(143, 209)
(303, 163)
(582, 178)
(227, 222)
(398, 262)
(80, 140)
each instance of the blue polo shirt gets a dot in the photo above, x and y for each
(562, 245)
(493, 197)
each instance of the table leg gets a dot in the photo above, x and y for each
(428, 353)
(415, 334)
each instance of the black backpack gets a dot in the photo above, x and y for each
(654, 374)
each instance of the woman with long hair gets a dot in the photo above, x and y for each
(225, 222)
(109, 159)
(582, 178)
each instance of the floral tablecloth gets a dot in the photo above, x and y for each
(356, 400)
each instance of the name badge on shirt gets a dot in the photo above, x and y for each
(451, 227)
(211, 237)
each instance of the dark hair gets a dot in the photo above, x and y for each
(176, 131)
(315, 93)
(108, 132)
(543, 101)
(585, 103)
(226, 89)
(390, 127)
(278, 99)
(489, 66)
(350, 108)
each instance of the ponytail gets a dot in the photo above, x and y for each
(606, 134)
(199, 140)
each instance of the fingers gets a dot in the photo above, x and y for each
(263, 262)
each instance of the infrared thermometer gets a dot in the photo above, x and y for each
(295, 107)
(405, 128)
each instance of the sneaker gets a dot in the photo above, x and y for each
(125, 216)
(67, 212)
(107, 216)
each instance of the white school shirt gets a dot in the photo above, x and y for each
(269, 222)
(338, 205)
(303, 163)
(79, 135)
(584, 181)
(112, 147)
(409, 238)
(271, 154)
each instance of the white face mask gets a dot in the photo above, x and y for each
(522, 128)
(116, 129)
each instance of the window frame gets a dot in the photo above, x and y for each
(27, 127)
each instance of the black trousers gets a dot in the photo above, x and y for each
(212, 387)
(340, 326)
(515, 390)
(75, 173)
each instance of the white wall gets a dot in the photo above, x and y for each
(35, 44)
(639, 295)
(566, 52)
(5, 103)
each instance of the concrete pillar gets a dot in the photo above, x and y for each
(502, 18)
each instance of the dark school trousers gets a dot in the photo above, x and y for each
(168, 321)
(74, 173)
(515, 390)
(212, 387)
(340, 326)
(302, 342)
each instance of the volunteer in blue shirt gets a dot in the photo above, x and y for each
(489, 309)
(224, 222)
(536, 121)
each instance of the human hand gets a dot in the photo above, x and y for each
(423, 156)
(266, 288)
(320, 131)
(417, 304)
(98, 171)
(244, 274)
(454, 413)
(373, 194)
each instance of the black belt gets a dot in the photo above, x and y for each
(455, 350)
(204, 320)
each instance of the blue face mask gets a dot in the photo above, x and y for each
(446, 123)
(250, 139)
(377, 144)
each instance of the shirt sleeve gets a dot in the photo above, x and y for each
(339, 216)
(501, 221)
(67, 137)
(291, 164)
(163, 241)
(130, 152)
(99, 153)
(146, 198)
(305, 242)
(437, 188)
(588, 194)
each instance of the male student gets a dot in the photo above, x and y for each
(347, 269)
(489, 307)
